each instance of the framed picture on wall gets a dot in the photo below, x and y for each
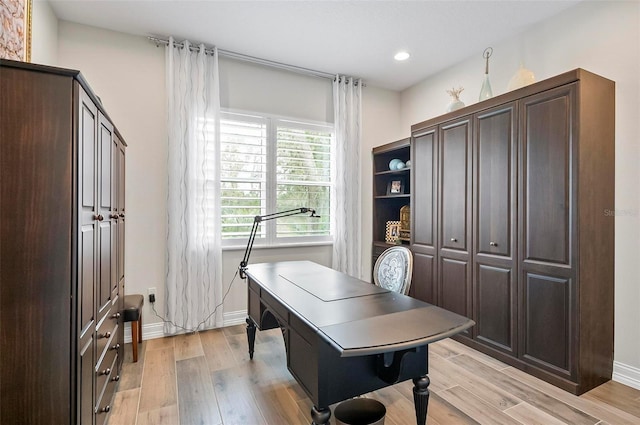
(15, 35)
(395, 186)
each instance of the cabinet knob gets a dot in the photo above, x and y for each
(115, 316)
(115, 347)
(493, 243)
(121, 215)
(105, 409)
(105, 372)
(98, 217)
(454, 240)
(113, 216)
(116, 378)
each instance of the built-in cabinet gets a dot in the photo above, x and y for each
(510, 225)
(61, 249)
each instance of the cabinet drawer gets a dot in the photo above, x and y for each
(105, 370)
(275, 307)
(105, 398)
(106, 334)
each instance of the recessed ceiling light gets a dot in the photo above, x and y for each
(401, 56)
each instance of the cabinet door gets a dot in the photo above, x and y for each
(454, 217)
(423, 283)
(494, 224)
(88, 263)
(120, 156)
(547, 183)
(114, 217)
(424, 213)
(455, 188)
(547, 222)
(121, 211)
(87, 242)
(86, 385)
(105, 236)
(495, 180)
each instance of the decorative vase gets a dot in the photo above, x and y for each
(522, 77)
(485, 91)
(455, 103)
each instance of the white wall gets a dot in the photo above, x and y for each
(44, 34)
(380, 125)
(601, 37)
(128, 74)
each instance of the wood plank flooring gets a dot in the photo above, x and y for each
(207, 378)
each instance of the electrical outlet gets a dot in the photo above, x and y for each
(152, 294)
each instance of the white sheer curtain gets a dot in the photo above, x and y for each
(194, 278)
(346, 215)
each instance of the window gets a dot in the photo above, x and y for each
(269, 165)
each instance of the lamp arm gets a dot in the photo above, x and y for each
(254, 229)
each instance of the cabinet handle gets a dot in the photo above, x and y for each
(121, 215)
(105, 372)
(454, 240)
(106, 335)
(98, 217)
(493, 243)
(116, 378)
(115, 316)
(113, 216)
(115, 347)
(105, 409)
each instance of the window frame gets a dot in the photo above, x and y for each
(273, 121)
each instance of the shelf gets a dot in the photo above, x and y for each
(405, 170)
(404, 195)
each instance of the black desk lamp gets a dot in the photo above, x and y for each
(256, 222)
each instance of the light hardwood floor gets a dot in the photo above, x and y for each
(207, 378)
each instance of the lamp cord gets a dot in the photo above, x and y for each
(197, 328)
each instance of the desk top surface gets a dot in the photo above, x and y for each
(356, 317)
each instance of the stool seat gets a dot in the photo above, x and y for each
(132, 307)
(132, 312)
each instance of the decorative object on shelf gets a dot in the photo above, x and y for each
(485, 91)
(522, 77)
(405, 224)
(408, 163)
(455, 102)
(395, 186)
(394, 163)
(393, 232)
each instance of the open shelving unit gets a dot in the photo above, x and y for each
(387, 203)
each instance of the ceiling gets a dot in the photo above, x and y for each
(357, 38)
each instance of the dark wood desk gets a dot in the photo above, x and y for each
(345, 337)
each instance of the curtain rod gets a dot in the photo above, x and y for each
(252, 59)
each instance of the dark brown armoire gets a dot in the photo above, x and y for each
(512, 225)
(61, 248)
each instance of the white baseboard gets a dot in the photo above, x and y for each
(156, 330)
(234, 318)
(626, 374)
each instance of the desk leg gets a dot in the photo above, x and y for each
(421, 398)
(251, 336)
(320, 415)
